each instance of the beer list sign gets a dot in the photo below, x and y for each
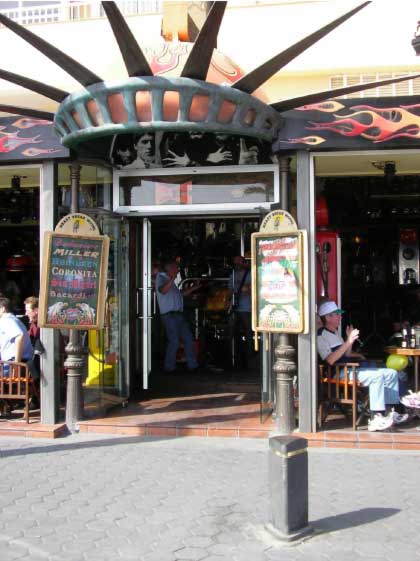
(74, 281)
(278, 282)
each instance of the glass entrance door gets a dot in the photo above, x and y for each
(145, 295)
(205, 249)
(106, 383)
(142, 304)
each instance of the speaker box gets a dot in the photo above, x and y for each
(408, 257)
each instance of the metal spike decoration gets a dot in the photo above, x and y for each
(253, 80)
(134, 59)
(33, 85)
(289, 104)
(27, 112)
(198, 62)
(145, 102)
(71, 66)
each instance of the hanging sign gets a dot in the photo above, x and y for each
(279, 284)
(278, 221)
(73, 283)
(78, 224)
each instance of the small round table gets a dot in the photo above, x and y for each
(415, 353)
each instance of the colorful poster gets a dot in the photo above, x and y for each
(278, 285)
(74, 281)
(178, 194)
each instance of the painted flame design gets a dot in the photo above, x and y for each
(27, 123)
(325, 106)
(37, 151)
(9, 141)
(166, 57)
(375, 124)
(311, 140)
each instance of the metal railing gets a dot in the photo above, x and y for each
(74, 11)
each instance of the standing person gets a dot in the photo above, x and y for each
(383, 383)
(31, 311)
(34, 332)
(171, 306)
(240, 305)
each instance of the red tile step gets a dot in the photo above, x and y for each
(33, 429)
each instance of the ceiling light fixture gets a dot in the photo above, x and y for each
(15, 183)
(387, 166)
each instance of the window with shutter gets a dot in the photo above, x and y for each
(409, 87)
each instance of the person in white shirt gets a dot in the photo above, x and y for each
(383, 383)
(15, 343)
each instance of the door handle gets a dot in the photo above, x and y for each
(138, 302)
(153, 294)
(140, 290)
(154, 300)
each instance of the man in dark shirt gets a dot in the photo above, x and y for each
(31, 311)
(34, 332)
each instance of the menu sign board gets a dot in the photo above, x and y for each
(278, 282)
(73, 281)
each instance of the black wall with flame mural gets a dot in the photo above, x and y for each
(27, 138)
(352, 124)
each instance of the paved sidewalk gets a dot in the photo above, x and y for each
(97, 498)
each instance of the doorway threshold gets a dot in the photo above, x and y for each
(225, 414)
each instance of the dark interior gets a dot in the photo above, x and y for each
(204, 249)
(369, 213)
(19, 243)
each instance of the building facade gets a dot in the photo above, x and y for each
(203, 197)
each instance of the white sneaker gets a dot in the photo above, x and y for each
(379, 422)
(398, 418)
(411, 400)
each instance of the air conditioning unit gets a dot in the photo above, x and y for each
(408, 257)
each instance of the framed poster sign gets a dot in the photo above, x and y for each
(278, 282)
(73, 281)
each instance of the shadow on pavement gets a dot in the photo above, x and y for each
(46, 448)
(352, 519)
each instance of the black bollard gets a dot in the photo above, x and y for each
(288, 481)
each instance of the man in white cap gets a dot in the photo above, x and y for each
(382, 382)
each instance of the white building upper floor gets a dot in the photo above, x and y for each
(374, 44)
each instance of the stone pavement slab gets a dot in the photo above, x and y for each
(97, 497)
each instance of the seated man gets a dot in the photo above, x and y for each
(15, 344)
(383, 383)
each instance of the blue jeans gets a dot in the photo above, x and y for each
(177, 329)
(402, 376)
(383, 384)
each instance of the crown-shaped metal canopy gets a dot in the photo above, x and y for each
(145, 102)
